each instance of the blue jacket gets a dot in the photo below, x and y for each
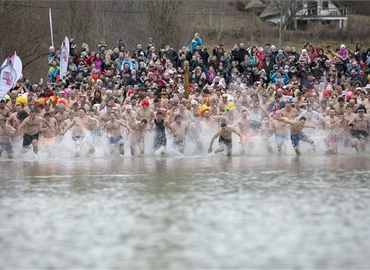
(194, 43)
(284, 79)
(126, 61)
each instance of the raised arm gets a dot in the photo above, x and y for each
(212, 140)
(328, 123)
(68, 127)
(284, 119)
(46, 123)
(125, 125)
(237, 133)
(21, 126)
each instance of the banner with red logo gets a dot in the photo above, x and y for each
(10, 72)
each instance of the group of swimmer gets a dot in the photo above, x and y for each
(201, 117)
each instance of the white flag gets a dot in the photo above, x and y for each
(8, 76)
(64, 58)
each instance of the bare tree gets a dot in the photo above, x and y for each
(166, 21)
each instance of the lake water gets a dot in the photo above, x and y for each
(187, 212)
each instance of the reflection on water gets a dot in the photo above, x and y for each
(186, 212)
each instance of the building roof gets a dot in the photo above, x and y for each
(338, 3)
(253, 4)
(269, 11)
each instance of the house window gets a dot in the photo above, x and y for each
(325, 5)
(312, 8)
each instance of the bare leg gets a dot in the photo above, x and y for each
(35, 146)
(279, 145)
(111, 149)
(363, 144)
(91, 149)
(354, 144)
(243, 149)
(121, 150)
(334, 148)
(221, 148)
(141, 147)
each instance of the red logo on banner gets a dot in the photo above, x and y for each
(8, 77)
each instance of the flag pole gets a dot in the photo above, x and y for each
(186, 83)
(51, 28)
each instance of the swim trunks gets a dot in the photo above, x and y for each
(27, 138)
(359, 134)
(180, 143)
(296, 138)
(8, 147)
(228, 142)
(116, 140)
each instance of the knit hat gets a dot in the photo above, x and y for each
(144, 102)
(102, 44)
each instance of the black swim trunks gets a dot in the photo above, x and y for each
(228, 142)
(27, 138)
(116, 140)
(359, 134)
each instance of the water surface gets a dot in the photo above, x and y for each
(186, 212)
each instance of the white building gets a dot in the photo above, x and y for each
(307, 12)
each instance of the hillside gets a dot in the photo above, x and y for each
(26, 27)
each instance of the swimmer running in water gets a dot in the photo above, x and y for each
(296, 134)
(225, 139)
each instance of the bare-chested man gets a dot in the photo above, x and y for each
(210, 122)
(223, 102)
(266, 132)
(225, 139)
(129, 115)
(4, 110)
(32, 127)
(13, 120)
(366, 102)
(280, 131)
(61, 115)
(360, 132)
(47, 134)
(349, 115)
(340, 108)
(137, 137)
(288, 111)
(114, 133)
(184, 112)
(243, 123)
(345, 130)
(65, 123)
(145, 112)
(332, 125)
(81, 124)
(6, 134)
(296, 133)
(179, 129)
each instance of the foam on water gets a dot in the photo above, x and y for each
(65, 147)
